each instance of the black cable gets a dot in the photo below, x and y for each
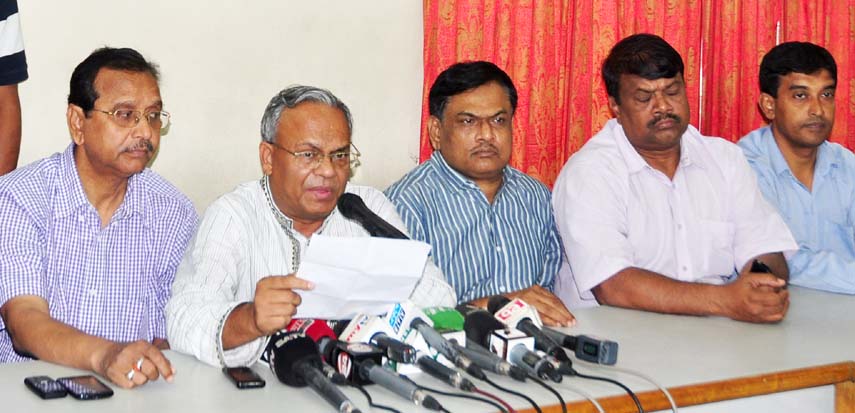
(548, 387)
(371, 401)
(464, 396)
(518, 394)
(606, 379)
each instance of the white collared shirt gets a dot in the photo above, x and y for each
(614, 211)
(239, 242)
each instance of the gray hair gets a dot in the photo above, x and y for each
(292, 96)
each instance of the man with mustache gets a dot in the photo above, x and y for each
(90, 238)
(655, 216)
(809, 179)
(490, 225)
(237, 285)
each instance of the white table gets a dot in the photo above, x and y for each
(701, 360)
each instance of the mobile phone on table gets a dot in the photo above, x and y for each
(85, 387)
(244, 377)
(45, 387)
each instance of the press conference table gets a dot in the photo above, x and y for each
(700, 359)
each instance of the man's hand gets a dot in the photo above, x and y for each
(552, 311)
(130, 365)
(757, 298)
(275, 302)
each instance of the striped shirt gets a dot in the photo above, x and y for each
(110, 282)
(483, 249)
(242, 239)
(13, 62)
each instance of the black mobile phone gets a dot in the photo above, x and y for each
(45, 387)
(85, 387)
(244, 377)
(758, 266)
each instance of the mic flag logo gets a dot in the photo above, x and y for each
(344, 364)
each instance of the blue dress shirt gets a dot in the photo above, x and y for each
(483, 249)
(821, 220)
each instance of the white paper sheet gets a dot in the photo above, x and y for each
(355, 275)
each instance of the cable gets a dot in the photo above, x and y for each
(371, 402)
(585, 395)
(548, 387)
(466, 396)
(615, 382)
(518, 394)
(643, 376)
(493, 396)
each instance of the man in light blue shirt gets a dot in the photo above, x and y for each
(490, 225)
(810, 180)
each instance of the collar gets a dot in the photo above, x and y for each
(284, 221)
(826, 161)
(635, 162)
(457, 182)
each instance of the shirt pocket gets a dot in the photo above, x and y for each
(716, 248)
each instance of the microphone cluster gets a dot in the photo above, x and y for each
(506, 339)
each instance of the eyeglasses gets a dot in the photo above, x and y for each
(158, 119)
(312, 159)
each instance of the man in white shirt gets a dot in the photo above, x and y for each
(655, 216)
(236, 285)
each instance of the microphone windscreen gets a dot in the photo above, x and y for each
(350, 204)
(445, 318)
(288, 353)
(479, 326)
(496, 302)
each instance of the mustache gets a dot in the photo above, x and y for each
(144, 144)
(486, 146)
(817, 121)
(654, 121)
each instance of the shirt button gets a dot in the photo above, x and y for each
(81, 218)
(93, 292)
(498, 248)
(680, 226)
(685, 268)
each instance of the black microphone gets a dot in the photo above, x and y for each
(478, 324)
(353, 208)
(347, 357)
(369, 370)
(490, 361)
(536, 365)
(446, 374)
(592, 349)
(517, 316)
(446, 348)
(295, 360)
(396, 350)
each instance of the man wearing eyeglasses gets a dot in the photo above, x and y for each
(90, 238)
(236, 285)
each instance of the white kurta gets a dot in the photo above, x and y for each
(239, 242)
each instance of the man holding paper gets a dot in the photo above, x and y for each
(237, 282)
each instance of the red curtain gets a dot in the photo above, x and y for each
(554, 50)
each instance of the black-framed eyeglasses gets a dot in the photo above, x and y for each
(346, 158)
(126, 118)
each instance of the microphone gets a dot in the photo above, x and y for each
(374, 330)
(353, 208)
(488, 361)
(446, 348)
(295, 360)
(534, 364)
(519, 315)
(321, 333)
(588, 348)
(445, 374)
(479, 325)
(369, 370)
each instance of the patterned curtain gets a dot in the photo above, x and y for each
(554, 50)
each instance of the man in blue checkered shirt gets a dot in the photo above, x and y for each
(90, 238)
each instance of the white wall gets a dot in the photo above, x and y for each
(221, 62)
